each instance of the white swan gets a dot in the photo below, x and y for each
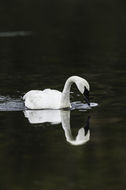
(56, 117)
(54, 99)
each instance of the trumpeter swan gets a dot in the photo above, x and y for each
(54, 99)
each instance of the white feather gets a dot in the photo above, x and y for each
(54, 99)
(37, 99)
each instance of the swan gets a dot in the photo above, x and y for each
(54, 99)
(56, 117)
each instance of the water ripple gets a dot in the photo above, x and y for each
(82, 107)
(14, 34)
(11, 104)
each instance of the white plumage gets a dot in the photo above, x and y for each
(54, 99)
(37, 99)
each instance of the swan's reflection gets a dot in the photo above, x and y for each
(56, 117)
(43, 116)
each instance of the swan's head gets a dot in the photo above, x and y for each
(80, 139)
(83, 87)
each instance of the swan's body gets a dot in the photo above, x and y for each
(54, 99)
(38, 99)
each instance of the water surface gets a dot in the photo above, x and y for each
(84, 38)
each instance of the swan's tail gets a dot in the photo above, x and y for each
(24, 97)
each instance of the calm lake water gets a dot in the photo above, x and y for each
(42, 43)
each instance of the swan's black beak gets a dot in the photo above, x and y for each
(86, 96)
(86, 127)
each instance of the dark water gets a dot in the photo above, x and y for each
(42, 43)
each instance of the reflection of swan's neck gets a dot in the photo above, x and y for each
(81, 137)
(65, 117)
(65, 99)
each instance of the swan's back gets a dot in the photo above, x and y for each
(46, 99)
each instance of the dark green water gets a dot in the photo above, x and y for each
(42, 43)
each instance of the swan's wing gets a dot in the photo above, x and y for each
(33, 99)
(31, 93)
(37, 99)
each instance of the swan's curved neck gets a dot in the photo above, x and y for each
(65, 119)
(65, 98)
